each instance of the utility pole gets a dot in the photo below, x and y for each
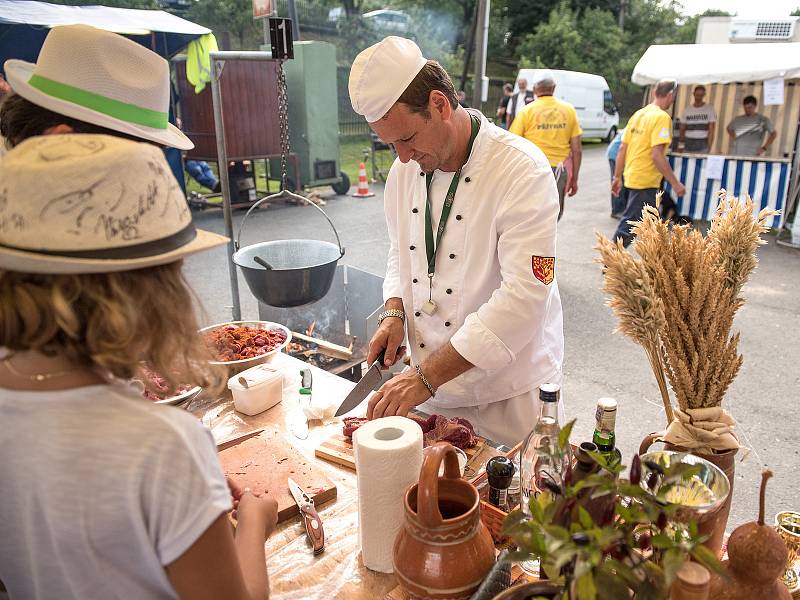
(481, 46)
(295, 22)
(623, 7)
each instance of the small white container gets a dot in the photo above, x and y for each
(264, 389)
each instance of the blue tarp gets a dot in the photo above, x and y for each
(24, 24)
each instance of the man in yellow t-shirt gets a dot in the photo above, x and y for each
(552, 125)
(642, 155)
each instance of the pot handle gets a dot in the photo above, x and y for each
(428, 489)
(649, 440)
(286, 194)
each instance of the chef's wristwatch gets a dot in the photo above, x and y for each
(392, 312)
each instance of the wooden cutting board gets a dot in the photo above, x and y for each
(265, 461)
(339, 449)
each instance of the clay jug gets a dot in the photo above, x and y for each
(443, 550)
(714, 524)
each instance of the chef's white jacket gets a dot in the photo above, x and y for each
(493, 309)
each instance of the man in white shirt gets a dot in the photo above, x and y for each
(518, 101)
(471, 214)
(698, 124)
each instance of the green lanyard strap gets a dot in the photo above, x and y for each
(430, 249)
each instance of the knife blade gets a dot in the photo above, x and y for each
(311, 520)
(363, 388)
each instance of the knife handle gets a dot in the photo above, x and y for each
(316, 534)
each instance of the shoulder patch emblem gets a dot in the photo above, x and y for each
(664, 134)
(544, 268)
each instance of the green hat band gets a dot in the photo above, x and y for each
(102, 104)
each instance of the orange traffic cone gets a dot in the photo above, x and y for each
(363, 186)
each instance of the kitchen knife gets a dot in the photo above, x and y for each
(367, 383)
(316, 535)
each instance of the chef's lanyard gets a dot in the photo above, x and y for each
(430, 249)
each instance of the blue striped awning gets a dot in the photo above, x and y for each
(766, 182)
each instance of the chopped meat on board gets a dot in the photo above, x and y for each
(436, 428)
(351, 424)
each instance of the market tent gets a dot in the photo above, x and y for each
(24, 25)
(718, 63)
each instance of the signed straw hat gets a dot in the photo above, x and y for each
(101, 78)
(83, 203)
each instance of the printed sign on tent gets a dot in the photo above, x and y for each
(773, 91)
(714, 166)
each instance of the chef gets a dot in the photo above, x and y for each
(471, 213)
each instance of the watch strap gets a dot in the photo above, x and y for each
(392, 312)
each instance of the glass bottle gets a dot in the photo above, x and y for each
(604, 436)
(540, 460)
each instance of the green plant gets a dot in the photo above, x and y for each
(631, 544)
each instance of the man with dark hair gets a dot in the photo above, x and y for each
(747, 131)
(471, 213)
(698, 123)
(642, 158)
(518, 101)
(89, 80)
(502, 106)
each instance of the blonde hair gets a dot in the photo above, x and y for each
(111, 321)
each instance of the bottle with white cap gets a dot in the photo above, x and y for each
(604, 435)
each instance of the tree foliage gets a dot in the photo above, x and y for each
(233, 16)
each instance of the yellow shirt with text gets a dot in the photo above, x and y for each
(649, 126)
(549, 123)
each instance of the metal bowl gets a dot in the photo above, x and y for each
(190, 394)
(710, 476)
(236, 366)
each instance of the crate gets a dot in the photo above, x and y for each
(492, 516)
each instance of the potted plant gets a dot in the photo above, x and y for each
(634, 548)
(677, 300)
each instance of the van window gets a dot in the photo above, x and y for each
(608, 103)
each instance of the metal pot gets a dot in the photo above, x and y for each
(298, 272)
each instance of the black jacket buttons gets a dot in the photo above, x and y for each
(458, 217)
(449, 291)
(414, 280)
(412, 247)
(414, 210)
(422, 345)
(417, 313)
(447, 323)
(467, 179)
(452, 256)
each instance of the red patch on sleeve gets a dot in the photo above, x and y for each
(544, 268)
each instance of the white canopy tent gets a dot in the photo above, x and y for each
(717, 63)
(118, 20)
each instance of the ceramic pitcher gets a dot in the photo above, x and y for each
(444, 550)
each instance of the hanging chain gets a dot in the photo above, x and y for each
(283, 122)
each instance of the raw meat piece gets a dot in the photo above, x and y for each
(351, 424)
(436, 428)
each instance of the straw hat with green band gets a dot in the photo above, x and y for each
(101, 78)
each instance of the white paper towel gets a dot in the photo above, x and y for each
(388, 460)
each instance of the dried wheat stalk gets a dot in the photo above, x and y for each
(633, 299)
(696, 281)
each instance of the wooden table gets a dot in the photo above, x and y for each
(294, 572)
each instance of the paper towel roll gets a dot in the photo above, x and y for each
(388, 455)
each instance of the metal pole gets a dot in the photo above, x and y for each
(295, 21)
(481, 44)
(217, 65)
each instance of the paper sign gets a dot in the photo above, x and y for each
(773, 91)
(714, 166)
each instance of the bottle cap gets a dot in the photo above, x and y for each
(548, 392)
(607, 404)
(305, 391)
(500, 470)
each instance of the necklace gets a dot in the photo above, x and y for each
(36, 376)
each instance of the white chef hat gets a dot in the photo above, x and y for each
(543, 75)
(381, 73)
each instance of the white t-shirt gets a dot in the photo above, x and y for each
(697, 119)
(520, 102)
(101, 489)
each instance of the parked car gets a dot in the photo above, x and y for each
(591, 97)
(384, 19)
(336, 14)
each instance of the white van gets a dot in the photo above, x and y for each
(591, 97)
